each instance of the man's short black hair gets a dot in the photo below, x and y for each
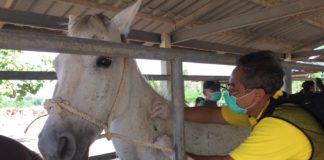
(213, 85)
(261, 70)
(307, 85)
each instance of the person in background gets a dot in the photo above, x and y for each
(319, 85)
(308, 89)
(211, 91)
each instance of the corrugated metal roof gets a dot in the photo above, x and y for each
(300, 32)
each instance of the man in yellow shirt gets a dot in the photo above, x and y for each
(278, 132)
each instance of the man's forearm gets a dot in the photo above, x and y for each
(199, 157)
(204, 115)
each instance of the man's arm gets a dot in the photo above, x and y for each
(204, 115)
(198, 157)
(193, 114)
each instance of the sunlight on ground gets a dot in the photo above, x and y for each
(13, 125)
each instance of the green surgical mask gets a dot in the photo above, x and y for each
(232, 105)
(215, 96)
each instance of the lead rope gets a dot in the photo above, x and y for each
(58, 104)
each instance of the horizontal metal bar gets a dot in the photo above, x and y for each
(27, 75)
(38, 75)
(53, 43)
(112, 155)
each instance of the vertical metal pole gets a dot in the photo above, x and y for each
(287, 80)
(178, 107)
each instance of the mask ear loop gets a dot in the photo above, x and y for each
(251, 105)
(245, 95)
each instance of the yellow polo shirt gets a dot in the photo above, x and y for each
(271, 138)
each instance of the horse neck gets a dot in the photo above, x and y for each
(137, 96)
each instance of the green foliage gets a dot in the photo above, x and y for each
(155, 85)
(18, 89)
(192, 91)
(26, 102)
(296, 86)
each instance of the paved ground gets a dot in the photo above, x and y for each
(13, 126)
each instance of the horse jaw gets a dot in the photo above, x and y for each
(133, 118)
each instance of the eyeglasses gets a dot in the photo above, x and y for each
(234, 92)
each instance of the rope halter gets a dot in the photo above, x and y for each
(58, 105)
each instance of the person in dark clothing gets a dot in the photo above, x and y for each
(211, 91)
(319, 85)
(308, 88)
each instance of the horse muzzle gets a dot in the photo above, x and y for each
(55, 145)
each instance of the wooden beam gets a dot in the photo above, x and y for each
(305, 54)
(211, 5)
(208, 46)
(33, 19)
(112, 155)
(243, 20)
(144, 36)
(46, 75)
(312, 20)
(104, 7)
(315, 21)
(60, 23)
(61, 44)
(287, 45)
(308, 43)
(7, 4)
(52, 43)
(27, 75)
(266, 3)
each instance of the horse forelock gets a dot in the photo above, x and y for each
(98, 23)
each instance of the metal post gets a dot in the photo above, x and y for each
(178, 107)
(287, 80)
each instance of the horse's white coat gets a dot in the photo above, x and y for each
(92, 90)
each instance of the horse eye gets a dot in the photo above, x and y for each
(104, 62)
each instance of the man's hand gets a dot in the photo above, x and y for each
(160, 110)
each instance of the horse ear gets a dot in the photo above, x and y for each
(124, 19)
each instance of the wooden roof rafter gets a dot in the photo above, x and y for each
(230, 23)
(312, 20)
(115, 9)
(36, 20)
(251, 36)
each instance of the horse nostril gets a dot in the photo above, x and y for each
(66, 147)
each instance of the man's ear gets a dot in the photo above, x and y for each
(260, 93)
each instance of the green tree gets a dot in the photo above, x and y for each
(18, 89)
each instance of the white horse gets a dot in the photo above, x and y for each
(111, 89)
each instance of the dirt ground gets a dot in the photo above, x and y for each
(14, 122)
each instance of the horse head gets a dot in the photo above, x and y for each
(88, 85)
